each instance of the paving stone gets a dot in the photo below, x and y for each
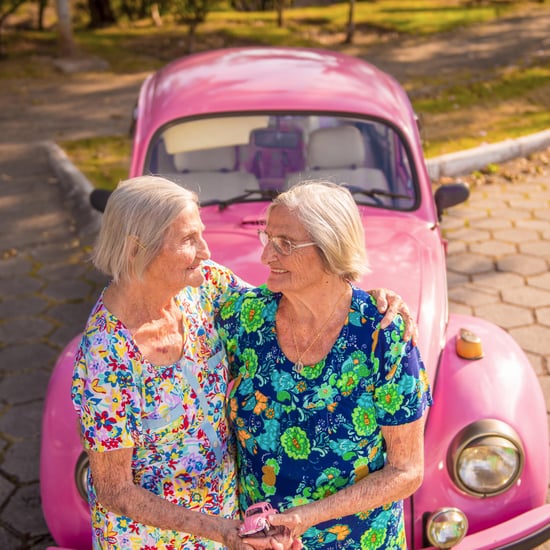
(8, 541)
(14, 265)
(30, 305)
(449, 224)
(54, 255)
(73, 314)
(456, 279)
(533, 338)
(16, 461)
(521, 264)
(22, 421)
(25, 329)
(6, 489)
(511, 214)
(467, 263)
(516, 235)
(493, 248)
(71, 289)
(24, 512)
(472, 297)
(526, 296)
(526, 204)
(64, 334)
(498, 280)
(538, 363)
(540, 281)
(456, 247)
(538, 248)
(543, 316)
(505, 315)
(19, 286)
(490, 224)
(460, 309)
(26, 356)
(24, 385)
(469, 235)
(533, 225)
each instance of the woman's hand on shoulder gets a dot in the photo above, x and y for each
(391, 304)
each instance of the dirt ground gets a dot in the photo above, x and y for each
(85, 99)
(93, 102)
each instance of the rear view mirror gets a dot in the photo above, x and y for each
(449, 195)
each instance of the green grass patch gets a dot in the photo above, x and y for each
(103, 160)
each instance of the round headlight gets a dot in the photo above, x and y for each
(445, 528)
(81, 475)
(486, 458)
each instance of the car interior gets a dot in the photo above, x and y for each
(251, 157)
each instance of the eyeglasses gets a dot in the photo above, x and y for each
(282, 246)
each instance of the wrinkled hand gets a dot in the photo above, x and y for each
(291, 521)
(278, 538)
(390, 303)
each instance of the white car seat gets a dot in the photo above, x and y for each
(338, 154)
(212, 173)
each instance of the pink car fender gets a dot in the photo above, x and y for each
(65, 510)
(461, 399)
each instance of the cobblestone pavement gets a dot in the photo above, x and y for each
(499, 269)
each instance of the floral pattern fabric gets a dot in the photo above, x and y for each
(303, 436)
(173, 416)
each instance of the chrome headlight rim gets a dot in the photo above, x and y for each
(81, 475)
(478, 431)
(460, 522)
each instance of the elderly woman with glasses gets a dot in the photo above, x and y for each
(150, 380)
(327, 405)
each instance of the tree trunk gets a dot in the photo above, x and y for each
(101, 13)
(67, 47)
(350, 31)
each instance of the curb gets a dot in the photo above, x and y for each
(77, 188)
(465, 162)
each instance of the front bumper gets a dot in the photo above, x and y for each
(523, 532)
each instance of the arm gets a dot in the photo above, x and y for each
(398, 479)
(390, 303)
(116, 491)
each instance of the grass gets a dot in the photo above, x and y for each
(458, 111)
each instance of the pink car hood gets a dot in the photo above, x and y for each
(405, 255)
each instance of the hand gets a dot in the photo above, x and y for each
(278, 538)
(390, 303)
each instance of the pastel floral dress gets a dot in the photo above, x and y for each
(173, 416)
(303, 436)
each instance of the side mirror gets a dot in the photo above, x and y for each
(99, 198)
(450, 194)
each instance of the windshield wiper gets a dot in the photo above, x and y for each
(263, 194)
(375, 194)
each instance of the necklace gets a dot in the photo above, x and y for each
(299, 365)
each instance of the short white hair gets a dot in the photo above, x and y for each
(135, 221)
(330, 215)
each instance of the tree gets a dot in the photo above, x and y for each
(7, 8)
(101, 13)
(67, 46)
(350, 27)
(192, 13)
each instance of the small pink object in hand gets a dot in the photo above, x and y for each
(256, 519)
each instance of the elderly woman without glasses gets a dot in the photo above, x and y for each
(150, 380)
(328, 407)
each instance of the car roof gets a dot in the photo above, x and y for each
(271, 79)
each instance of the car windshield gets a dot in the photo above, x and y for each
(240, 158)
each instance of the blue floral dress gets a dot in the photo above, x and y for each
(303, 436)
(173, 416)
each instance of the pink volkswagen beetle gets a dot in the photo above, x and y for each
(238, 126)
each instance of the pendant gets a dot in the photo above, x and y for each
(298, 366)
